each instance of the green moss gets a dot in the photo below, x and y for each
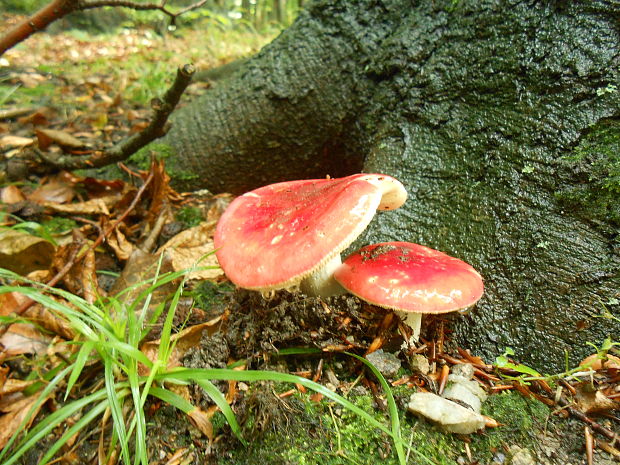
(59, 225)
(520, 418)
(209, 294)
(596, 163)
(189, 216)
(142, 158)
(327, 434)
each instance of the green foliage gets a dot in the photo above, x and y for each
(58, 225)
(189, 216)
(503, 362)
(22, 6)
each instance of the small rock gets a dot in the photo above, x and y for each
(449, 415)
(387, 364)
(462, 388)
(419, 363)
(521, 456)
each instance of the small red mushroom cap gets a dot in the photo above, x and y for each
(410, 277)
(274, 236)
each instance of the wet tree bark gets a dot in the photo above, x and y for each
(502, 118)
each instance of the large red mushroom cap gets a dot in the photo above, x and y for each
(274, 236)
(410, 278)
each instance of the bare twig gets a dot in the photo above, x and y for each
(57, 9)
(156, 129)
(51, 12)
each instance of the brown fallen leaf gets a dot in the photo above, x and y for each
(9, 142)
(188, 247)
(15, 413)
(22, 253)
(138, 275)
(589, 401)
(185, 340)
(98, 206)
(597, 363)
(15, 385)
(22, 338)
(56, 190)
(200, 418)
(11, 194)
(10, 302)
(120, 245)
(202, 421)
(37, 118)
(50, 321)
(47, 137)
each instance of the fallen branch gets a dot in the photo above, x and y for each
(57, 9)
(124, 149)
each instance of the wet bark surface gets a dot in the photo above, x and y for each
(477, 108)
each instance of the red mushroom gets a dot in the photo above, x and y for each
(410, 279)
(279, 235)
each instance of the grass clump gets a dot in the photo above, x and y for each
(110, 331)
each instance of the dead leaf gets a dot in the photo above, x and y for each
(137, 275)
(64, 140)
(98, 206)
(55, 190)
(22, 338)
(10, 302)
(38, 118)
(597, 363)
(14, 142)
(188, 247)
(16, 412)
(50, 321)
(121, 246)
(11, 194)
(202, 421)
(185, 340)
(11, 386)
(22, 253)
(589, 400)
(81, 279)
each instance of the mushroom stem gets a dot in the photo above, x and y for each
(414, 321)
(321, 283)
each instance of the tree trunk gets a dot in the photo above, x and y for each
(502, 120)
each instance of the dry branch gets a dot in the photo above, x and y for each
(57, 9)
(121, 151)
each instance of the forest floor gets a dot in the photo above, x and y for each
(100, 242)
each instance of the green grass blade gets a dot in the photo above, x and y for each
(116, 410)
(248, 376)
(219, 399)
(173, 399)
(393, 409)
(42, 397)
(80, 361)
(93, 413)
(45, 426)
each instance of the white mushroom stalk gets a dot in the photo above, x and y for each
(414, 321)
(321, 283)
